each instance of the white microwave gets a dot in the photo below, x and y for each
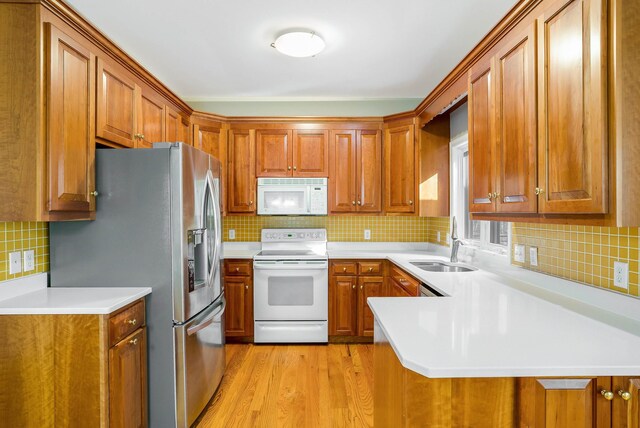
(292, 196)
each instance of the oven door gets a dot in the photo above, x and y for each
(291, 290)
(288, 200)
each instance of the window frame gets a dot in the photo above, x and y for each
(458, 147)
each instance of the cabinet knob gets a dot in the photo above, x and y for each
(353, 286)
(539, 191)
(626, 395)
(490, 195)
(361, 287)
(370, 269)
(142, 136)
(289, 168)
(359, 203)
(608, 395)
(237, 269)
(250, 202)
(136, 135)
(94, 193)
(134, 341)
(353, 202)
(132, 322)
(344, 269)
(295, 168)
(246, 287)
(496, 195)
(410, 202)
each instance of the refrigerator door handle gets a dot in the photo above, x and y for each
(208, 320)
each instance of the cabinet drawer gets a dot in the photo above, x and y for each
(410, 284)
(125, 322)
(343, 268)
(238, 268)
(371, 268)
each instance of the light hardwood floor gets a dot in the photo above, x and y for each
(294, 386)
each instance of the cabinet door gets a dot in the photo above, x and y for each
(241, 177)
(564, 402)
(572, 146)
(185, 130)
(481, 143)
(116, 105)
(369, 171)
(400, 178)
(342, 172)
(239, 313)
(368, 286)
(516, 136)
(342, 305)
(310, 153)
(150, 119)
(71, 147)
(273, 153)
(207, 139)
(128, 381)
(396, 290)
(626, 402)
(172, 125)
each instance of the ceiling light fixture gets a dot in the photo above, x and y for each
(299, 44)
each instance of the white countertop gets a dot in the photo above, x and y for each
(487, 327)
(73, 300)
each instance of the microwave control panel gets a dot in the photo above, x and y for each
(318, 198)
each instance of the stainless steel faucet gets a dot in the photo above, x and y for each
(455, 242)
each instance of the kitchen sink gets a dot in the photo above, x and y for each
(441, 267)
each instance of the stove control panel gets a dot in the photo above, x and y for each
(293, 235)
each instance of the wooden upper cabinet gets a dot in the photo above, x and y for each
(400, 179)
(342, 172)
(116, 105)
(481, 142)
(128, 381)
(369, 171)
(274, 155)
(241, 178)
(516, 136)
(564, 402)
(71, 114)
(310, 153)
(172, 125)
(572, 146)
(150, 119)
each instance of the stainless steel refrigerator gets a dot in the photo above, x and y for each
(158, 225)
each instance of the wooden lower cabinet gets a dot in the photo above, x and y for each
(404, 398)
(74, 370)
(349, 314)
(238, 289)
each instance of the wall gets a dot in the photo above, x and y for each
(581, 253)
(20, 236)
(344, 108)
(339, 228)
(459, 121)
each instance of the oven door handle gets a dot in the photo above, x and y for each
(280, 266)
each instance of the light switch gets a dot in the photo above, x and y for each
(28, 260)
(533, 256)
(518, 253)
(367, 234)
(15, 264)
(232, 234)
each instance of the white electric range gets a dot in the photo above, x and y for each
(291, 287)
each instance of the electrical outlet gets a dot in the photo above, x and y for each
(438, 235)
(367, 234)
(28, 260)
(621, 275)
(518, 253)
(533, 256)
(232, 234)
(15, 263)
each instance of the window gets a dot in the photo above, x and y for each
(490, 235)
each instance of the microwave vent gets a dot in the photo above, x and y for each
(292, 181)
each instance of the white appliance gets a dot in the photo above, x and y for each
(292, 196)
(291, 287)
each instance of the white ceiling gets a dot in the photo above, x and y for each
(220, 49)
